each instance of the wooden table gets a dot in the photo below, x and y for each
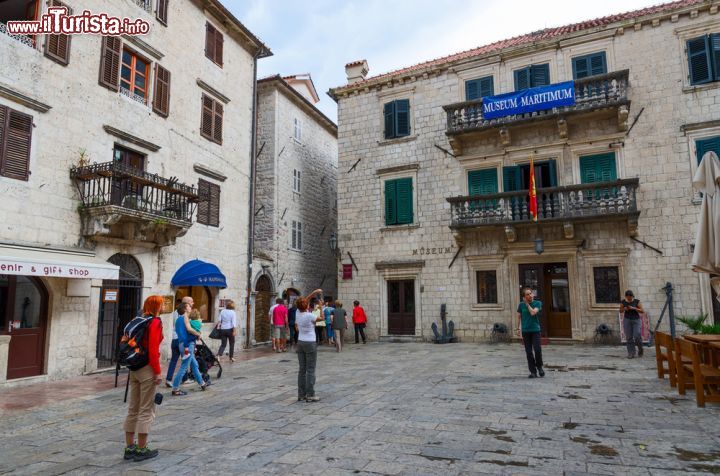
(710, 344)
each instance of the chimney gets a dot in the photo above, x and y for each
(356, 71)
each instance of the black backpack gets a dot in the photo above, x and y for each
(132, 353)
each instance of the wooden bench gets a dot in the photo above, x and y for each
(703, 377)
(664, 352)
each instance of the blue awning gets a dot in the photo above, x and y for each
(199, 273)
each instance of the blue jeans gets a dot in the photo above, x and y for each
(189, 362)
(173, 359)
(633, 337)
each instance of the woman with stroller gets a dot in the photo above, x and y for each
(187, 336)
(227, 322)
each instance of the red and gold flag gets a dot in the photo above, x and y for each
(532, 201)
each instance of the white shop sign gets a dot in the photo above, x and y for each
(56, 269)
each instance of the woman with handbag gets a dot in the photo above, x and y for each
(227, 322)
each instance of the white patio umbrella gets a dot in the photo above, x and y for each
(706, 256)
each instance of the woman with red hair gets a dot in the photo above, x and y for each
(142, 382)
(306, 348)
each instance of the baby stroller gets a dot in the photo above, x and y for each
(206, 360)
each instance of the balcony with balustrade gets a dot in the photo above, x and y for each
(565, 206)
(605, 94)
(120, 202)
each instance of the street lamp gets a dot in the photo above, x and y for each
(539, 246)
(333, 242)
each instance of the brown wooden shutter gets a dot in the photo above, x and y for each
(57, 47)
(110, 62)
(206, 123)
(15, 141)
(214, 212)
(219, 48)
(204, 204)
(210, 41)
(161, 12)
(218, 123)
(161, 98)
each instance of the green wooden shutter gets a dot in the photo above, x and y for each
(715, 51)
(487, 87)
(522, 78)
(402, 117)
(706, 145)
(598, 168)
(699, 60)
(539, 75)
(552, 167)
(389, 113)
(598, 63)
(390, 202)
(511, 179)
(482, 182)
(404, 201)
(472, 89)
(581, 67)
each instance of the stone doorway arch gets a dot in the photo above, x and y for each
(263, 295)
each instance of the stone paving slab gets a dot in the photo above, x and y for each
(396, 409)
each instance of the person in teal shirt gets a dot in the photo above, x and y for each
(528, 314)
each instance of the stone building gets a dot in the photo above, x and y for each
(443, 159)
(122, 160)
(295, 203)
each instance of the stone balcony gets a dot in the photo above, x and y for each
(566, 206)
(606, 93)
(122, 203)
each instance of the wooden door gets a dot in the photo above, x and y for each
(122, 187)
(531, 276)
(23, 315)
(401, 307)
(557, 300)
(263, 296)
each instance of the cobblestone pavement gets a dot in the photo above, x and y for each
(393, 409)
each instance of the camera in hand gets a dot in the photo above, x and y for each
(158, 398)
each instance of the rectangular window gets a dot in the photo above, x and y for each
(213, 44)
(589, 65)
(20, 10)
(296, 238)
(532, 76)
(398, 201)
(297, 131)
(607, 284)
(486, 287)
(517, 177)
(296, 180)
(57, 47)
(479, 88)
(703, 146)
(482, 182)
(704, 58)
(397, 118)
(161, 11)
(211, 124)
(208, 212)
(15, 140)
(134, 76)
(598, 168)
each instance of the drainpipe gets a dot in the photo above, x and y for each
(251, 208)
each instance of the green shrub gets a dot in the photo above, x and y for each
(694, 323)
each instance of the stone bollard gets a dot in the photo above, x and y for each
(4, 350)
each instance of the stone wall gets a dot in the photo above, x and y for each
(656, 150)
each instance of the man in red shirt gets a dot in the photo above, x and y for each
(359, 320)
(280, 325)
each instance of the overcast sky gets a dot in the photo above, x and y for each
(320, 36)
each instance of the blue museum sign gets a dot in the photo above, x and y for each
(529, 100)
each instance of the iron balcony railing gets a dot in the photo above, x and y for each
(117, 184)
(593, 92)
(586, 202)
